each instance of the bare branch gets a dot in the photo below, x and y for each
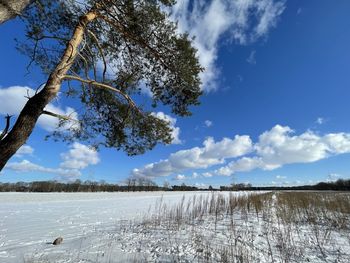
(105, 86)
(32, 59)
(62, 117)
(7, 127)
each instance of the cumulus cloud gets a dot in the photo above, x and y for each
(77, 158)
(274, 149)
(210, 154)
(244, 164)
(279, 146)
(175, 134)
(242, 21)
(26, 166)
(14, 98)
(24, 150)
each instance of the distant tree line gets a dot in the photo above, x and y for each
(236, 187)
(78, 186)
(144, 184)
(131, 184)
(184, 187)
(339, 185)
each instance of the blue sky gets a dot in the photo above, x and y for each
(276, 87)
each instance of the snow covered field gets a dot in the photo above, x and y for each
(29, 221)
(168, 227)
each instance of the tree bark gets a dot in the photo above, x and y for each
(11, 8)
(34, 107)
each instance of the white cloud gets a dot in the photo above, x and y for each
(180, 177)
(23, 150)
(207, 174)
(252, 59)
(208, 123)
(14, 98)
(195, 175)
(279, 146)
(79, 157)
(320, 120)
(274, 149)
(210, 154)
(268, 12)
(26, 166)
(243, 21)
(175, 134)
(244, 164)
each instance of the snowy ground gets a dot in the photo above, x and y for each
(166, 227)
(30, 221)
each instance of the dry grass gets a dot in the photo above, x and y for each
(268, 227)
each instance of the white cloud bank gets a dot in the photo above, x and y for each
(26, 166)
(278, 147)
(14, 98)
(274, 148)
(77, 158)
(242, 21)
(212, 153)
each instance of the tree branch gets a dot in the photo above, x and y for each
(105, 86)
(62, 117)
(120, 28)
(101, 52)
(7, 127)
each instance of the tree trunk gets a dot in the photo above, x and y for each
(29, 115)
(11, 8)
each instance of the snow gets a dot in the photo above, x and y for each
(30, 221)
(163, 227)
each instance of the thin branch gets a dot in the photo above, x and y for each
(5, 131)
(52, 37)
(105, 86)
(85, 63)
(120, 28)
(32, 59)
(93, 62)
(95, 39)
(62, 117)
